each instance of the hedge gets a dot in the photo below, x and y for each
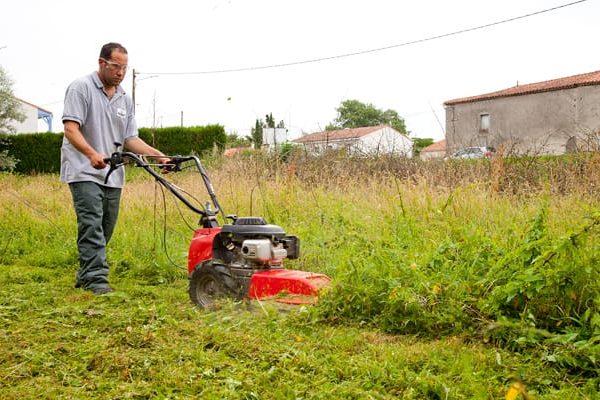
(34, 152)
(183, 141)
(40, 152)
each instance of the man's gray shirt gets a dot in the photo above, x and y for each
(102, 122)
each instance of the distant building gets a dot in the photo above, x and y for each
(435, 151)
(370, 140)
(274, 137)
(550, 117)
(33, 115)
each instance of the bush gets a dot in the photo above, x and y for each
(7, 162)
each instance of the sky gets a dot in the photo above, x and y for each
(201, 62)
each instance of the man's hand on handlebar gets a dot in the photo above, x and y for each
(99, 161)
(162, 159)
(171, 164)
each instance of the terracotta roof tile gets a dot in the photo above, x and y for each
(33, 105)
(349, 133)
(234, 151)
(588, 79)
(437, 146)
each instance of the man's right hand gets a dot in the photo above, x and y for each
(75, 137)
(97, 161)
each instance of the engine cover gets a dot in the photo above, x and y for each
(263, 251)
(246, 230)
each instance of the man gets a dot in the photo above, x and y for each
(97, 114)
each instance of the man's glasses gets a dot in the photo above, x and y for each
(115, 65)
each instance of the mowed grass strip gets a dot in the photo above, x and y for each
(149, 342)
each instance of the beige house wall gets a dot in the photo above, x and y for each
(432, 155)
(30, 124)
(541, 123)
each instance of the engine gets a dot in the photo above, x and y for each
(250, 245)
(263, 252)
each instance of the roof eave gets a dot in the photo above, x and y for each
(515, 91)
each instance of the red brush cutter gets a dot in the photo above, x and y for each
(243, 259)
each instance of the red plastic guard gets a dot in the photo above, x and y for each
(287, 286)
(201, 247)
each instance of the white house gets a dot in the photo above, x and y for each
(33, 115)
(370, 140)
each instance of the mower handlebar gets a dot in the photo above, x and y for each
(119, 158)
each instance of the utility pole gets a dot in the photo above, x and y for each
(154, 111)
(133, 89)
(182, 118)
(134, 85)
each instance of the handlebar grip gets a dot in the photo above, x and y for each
(166, 168)
(173, 165)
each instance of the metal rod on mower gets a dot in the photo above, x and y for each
(117, 159)
(207, 183)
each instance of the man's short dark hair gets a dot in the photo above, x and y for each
(108, 48)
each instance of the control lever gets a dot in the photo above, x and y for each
(114, 161)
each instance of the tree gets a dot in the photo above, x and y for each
(256, 135)
(354, 114)
(7, 162)
(420, 143)
(10, 109)
(270, 121)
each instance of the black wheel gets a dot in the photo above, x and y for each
(209, 284)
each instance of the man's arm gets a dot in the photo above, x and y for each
(138, 146)
(75, 137)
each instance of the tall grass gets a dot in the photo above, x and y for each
(503, 252)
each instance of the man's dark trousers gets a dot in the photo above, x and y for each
(97, 209)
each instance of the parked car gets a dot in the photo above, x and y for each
(474, 152)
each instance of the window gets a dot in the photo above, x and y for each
(484, 123)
